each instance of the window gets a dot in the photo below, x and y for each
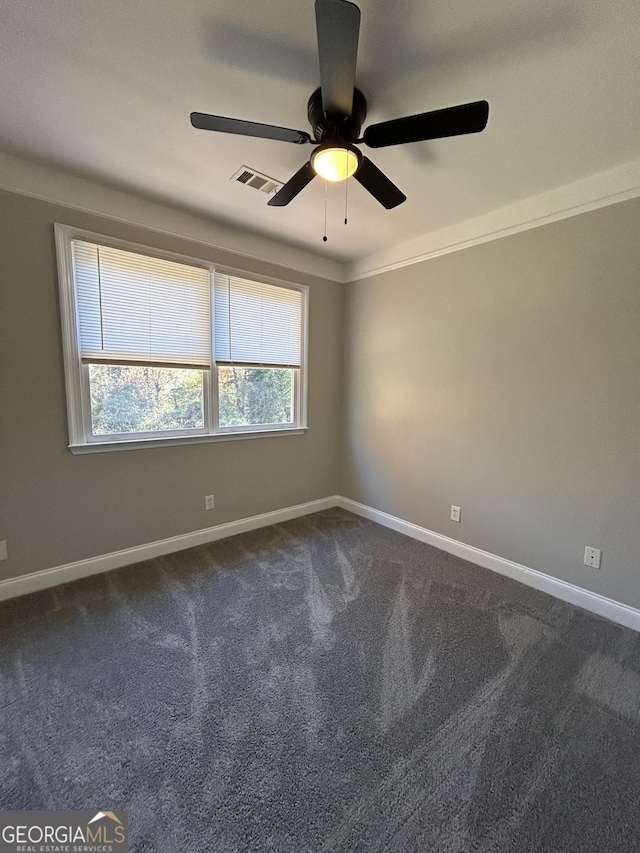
(161, 348)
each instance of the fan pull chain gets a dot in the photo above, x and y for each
(326, 192)
(346, 200)
(346, 187)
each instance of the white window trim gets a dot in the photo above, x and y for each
(81, 438)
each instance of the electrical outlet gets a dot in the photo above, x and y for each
(592, 557)
(3, 550)
(455, 513)
(208, 502)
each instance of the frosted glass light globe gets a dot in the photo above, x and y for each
(335, 164)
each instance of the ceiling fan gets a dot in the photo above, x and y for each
(336, 112)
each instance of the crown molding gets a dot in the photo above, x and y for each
(596, 191)
(45, 183)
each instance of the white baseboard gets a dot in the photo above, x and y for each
(623, 614)
(13, 587)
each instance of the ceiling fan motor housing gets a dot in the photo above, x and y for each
(336, 126)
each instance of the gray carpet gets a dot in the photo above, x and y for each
(323, 685)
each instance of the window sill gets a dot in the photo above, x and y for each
(145, 443)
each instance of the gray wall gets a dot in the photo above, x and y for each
(505, 379)
(57, 508)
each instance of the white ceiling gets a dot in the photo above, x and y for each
(104, 90)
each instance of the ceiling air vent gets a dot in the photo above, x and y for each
(257, 180)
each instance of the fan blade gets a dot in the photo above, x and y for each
(248, 128)
(293, 186)
(453, 121)
(338, 26)
(377, 183)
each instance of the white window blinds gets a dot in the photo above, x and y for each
(138, 309)
(256, 323)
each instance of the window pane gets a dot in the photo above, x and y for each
(255, 395)
(144, 399)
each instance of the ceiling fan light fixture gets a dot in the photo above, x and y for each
(336, 163)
